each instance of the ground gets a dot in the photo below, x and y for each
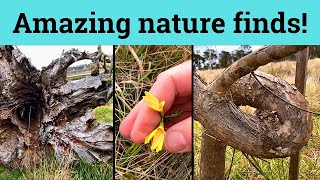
(275, 168)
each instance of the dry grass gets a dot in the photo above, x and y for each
(276, 168)
(136, 70)
(48, 170)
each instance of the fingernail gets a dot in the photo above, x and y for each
(175, 141)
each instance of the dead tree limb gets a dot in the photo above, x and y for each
(41, 110)
(278, 129)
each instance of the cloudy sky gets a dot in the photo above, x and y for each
(42, 55)
(222, 48)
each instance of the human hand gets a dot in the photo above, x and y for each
(174, 86)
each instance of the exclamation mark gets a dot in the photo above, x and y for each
(304, 22)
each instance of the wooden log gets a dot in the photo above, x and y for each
(278, 129)
(40, 110)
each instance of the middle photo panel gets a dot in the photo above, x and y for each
(153, 112)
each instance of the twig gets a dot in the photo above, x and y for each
(255, 166)
(137, 59)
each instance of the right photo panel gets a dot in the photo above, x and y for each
(256, 112)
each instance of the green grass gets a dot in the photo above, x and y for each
(9, 174)
(104, 113)
(98, 171)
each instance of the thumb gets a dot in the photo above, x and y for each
(178, 138)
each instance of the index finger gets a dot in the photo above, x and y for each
(170, 84)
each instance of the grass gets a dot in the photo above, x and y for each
(9, 174)
(136, 71)
(104, 113)
(51, 169)
(276, 168)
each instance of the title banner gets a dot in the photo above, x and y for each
(225, 22)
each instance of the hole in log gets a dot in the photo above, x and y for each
(30, 104)
(83, 68)
(28, 113)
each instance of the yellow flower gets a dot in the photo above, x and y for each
(154, 103)
(157, 137)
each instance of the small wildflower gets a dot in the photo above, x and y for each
(157, 137)
(154, 103)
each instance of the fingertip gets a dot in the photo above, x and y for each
(126, 125)
(124, 130)
(178, 138)
(147, 120)
(138, 137)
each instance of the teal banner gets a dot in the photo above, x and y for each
(164, 22)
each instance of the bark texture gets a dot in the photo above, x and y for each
(41, 110)
(300, 82)
(213, 163)
(276, 130)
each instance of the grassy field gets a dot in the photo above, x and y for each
(137, 161)
(275, 168)
(50, 169)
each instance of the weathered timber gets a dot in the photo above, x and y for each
(40, 110)
(277, 129)
(300, 82)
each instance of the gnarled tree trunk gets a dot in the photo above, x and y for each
(41, 109)
(278, 129)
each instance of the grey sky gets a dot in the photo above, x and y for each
(222, 48)
(42, 55)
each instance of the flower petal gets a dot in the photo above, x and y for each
(155, 140)
(153, 106)
(159, 147)
(158, 139)
(151, 96)
(161, 105)
(149, 137)
(151, 101)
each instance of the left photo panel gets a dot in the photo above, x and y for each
(56, 112)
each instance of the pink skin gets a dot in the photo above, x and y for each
(174, 86)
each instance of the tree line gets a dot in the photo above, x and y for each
(212, 59)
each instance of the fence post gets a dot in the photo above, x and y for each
(213, 153)
(300, 82)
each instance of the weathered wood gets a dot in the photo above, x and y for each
(41, 110)
(212, 158)
(300, 82)
(250, 63)
(276, 130)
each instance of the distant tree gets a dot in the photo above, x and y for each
(197, 60)
(314, 52)
(242, 51)
(225, 59)
(246, 48)
(210, 54)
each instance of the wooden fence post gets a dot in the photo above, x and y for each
(213, 153)
(300, 82)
